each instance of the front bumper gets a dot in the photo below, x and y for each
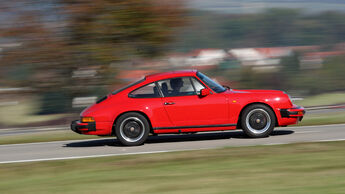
(294, 112)
(80, 127)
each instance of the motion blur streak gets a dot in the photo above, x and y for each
(59, 56)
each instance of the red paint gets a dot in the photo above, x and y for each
(205, 92)
(210, 108)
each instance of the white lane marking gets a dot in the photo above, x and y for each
(96, 156)
(323, 140)
(268, 144)
(325, 107)
(301, 132)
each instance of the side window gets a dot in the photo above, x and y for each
(180, 86)
(198, 86)
(148, 91)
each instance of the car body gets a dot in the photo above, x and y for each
(183, 102)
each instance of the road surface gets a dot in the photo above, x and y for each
(165, 143)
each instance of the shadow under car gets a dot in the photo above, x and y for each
(168, 138)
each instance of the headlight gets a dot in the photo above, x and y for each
(87, 119)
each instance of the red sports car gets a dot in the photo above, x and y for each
(184, 102)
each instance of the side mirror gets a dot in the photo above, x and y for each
(204, 92)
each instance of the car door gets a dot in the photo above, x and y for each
(148, 100)
(186, 108)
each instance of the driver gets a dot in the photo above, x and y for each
(176, 84)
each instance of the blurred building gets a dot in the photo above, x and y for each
(314, 60)
(133, 75)
(198, 59)
(264, 59)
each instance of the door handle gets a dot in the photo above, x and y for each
(169, 103)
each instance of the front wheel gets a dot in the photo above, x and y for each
(132, 129)
(258, 121)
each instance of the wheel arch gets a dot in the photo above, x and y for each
(243, 108)
(134, 111)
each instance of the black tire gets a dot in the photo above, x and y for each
(258, 120)
(132, 129)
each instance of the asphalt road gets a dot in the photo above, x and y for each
(164, 143)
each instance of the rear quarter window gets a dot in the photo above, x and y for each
(147, 91)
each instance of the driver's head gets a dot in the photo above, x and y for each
(176, 83)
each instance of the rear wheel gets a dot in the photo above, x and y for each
(132, 129)
(258, 121)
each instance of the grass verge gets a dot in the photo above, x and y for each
(294, 168)
(24, 113)
(43, 137)
(323, 99)
(323, 119)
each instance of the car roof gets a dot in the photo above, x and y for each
(171, 74)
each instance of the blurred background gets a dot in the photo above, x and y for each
(59, 56)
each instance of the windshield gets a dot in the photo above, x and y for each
(212, 84)
(128, 86)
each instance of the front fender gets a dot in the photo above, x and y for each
(239, 101)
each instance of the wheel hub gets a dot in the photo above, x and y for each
(258, 121)
(132, 129)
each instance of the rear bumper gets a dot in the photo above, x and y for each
(81, 128)
(294, 112)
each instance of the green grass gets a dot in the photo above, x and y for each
(323, 119)
(43, 137)
(323, 99)
(295, 168)
(24, 113)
